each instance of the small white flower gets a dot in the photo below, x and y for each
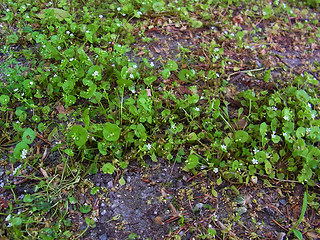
(71, 34)
(71, 59)
(224, 147)
(309, 105)
(173, 126)
(274, 108)
(24, 153)
(8, 218)
(93, 139)
(27, 16)
(149, 146)
(100, 16)
(59, 48)
(197, 109)
(31, 83)
(134, 66)
(96, 73)
(16, 89)
(255, 151)
(67, 32)
(285, 134)
(215, 170)
(139, 13)
(308, 130)
(286, 117)
(118, 8)
(44, 46)
(87, 31)
(255, 161)
(313, 115)
(152, 64)
(131, 75)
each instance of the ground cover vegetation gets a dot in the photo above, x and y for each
(97, 85)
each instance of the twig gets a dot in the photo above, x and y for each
(279, 225)
(42, 138)
(199, 173)
(244, 71)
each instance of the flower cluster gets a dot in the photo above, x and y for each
(24, 153)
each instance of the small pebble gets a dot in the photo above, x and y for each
(103, 237)
(283, 201)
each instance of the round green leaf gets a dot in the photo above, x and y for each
(192, 161)
(108, 168)
(184, 74)
(315, 133)
(172, 65)
(165, 73)
(241, 136)
(158, 6)
(4, 99)
(124, 82)
(17, 153)
(149, 80)
(261, 156)
(102, 148)
(94, 72)
(28, 136)
(58, 13)
(16, 221)
(85, 209)
(111, 132)
(79, 135)
(70, 100)
(300, 132)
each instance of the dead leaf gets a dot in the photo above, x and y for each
(60, 108)
(44, 173)
(238, 19)
(156, 49)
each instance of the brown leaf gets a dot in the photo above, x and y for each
(60, 108)
(44, 173)
(3, 203)
(238, 19)
(156, 49)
